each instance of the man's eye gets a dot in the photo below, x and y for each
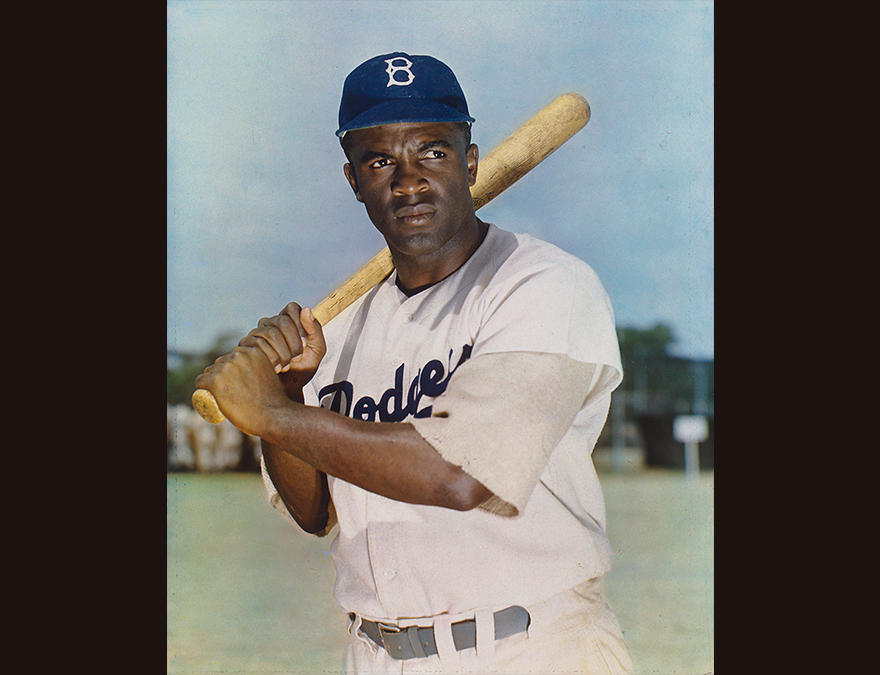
(379, 163)
(435, 154)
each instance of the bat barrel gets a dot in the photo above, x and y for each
(529, 145)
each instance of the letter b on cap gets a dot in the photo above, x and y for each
(392, 70)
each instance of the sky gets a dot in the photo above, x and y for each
(258, 209)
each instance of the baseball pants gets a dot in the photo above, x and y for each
(573, 632)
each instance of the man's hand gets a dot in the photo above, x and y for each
(293, 341)
(267, 370)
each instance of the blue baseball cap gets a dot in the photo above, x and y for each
(397, 88)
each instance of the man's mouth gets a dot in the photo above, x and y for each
(417, 214)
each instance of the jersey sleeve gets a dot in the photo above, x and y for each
(554, 306)
(503, 414)
(278, 504)
(545, 352)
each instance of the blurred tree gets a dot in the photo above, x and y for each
(224, 344)
(658, 386)
(657, 380)
(639, 349)
(654, 341)
(181, 379)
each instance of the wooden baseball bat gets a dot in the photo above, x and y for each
(518, 154)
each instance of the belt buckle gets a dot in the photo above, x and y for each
(397, 641)
(388, 628)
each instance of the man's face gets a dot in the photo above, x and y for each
(414, 180)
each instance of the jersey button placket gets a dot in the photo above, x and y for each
(401, 321)
(382, 542)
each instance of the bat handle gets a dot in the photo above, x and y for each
(376, 269)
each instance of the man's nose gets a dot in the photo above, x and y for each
(408, 179)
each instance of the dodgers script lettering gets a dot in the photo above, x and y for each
(392, 406)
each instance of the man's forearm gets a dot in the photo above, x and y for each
(302, 488)
(390, 459)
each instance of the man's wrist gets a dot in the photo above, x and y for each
(293, 388)
(296, 395)
(279, 422)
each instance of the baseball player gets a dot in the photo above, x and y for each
(443, 423)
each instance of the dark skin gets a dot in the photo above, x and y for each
(414, 180)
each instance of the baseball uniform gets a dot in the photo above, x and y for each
(506, 368)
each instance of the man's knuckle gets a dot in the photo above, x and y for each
(238, 354)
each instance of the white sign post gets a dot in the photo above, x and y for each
(691, 430)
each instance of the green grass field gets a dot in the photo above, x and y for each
(248, 593)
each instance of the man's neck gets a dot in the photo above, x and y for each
(409, 292)
(416, 275)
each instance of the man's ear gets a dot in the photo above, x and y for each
(352, 180)
(473, 159)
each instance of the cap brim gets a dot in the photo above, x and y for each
(404, 110)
